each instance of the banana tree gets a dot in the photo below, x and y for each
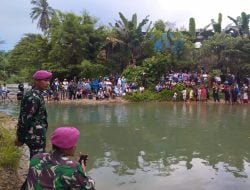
(241, 24)
(217, 25)
(131, 37)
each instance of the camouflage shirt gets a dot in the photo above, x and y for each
(32, 123)
(53, 171)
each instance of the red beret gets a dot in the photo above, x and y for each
(42, 74)
(65, 137)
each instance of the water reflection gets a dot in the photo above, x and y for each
(168, 146)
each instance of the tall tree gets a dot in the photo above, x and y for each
(224, 52)
(217, 25)
(29, 54)
(43, 13)
(74, 39)
(160, 25)
(192, 28)
(4, 64)
(245, 23)
(241, 24)
(131, 36)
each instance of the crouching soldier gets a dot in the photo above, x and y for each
(56, 170)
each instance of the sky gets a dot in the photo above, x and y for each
(15, 19)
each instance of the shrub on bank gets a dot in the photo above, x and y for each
(148, 95)
(9, 153)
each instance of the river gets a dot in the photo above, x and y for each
(174, 146)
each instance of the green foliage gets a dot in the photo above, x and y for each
(127, 47)
(29, 54)
(159, 25)
(155, 67)
(70, 37)
(133, 73)
(215, 72)
(152, 68)
(9, 154)
(178, 46)
(165, 95)
(242, 24)
(131, 38)
(142, 97)
(3, 65)
(230, 52)
(74, 38)
(150, 95)
(245, 23)
(89, 70)
(58, 70)
(217, 25)
(178, 88)
(43, 13)
(192, 28)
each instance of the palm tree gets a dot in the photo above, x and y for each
(43, 12)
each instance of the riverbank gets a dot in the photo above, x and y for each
(117, 100)
(121, 100)
(12, 177)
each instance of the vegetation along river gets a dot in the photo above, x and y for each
(160, 145)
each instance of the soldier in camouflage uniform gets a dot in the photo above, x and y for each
(32, 124)
(55, 171)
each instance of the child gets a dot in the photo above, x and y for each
(175, 96)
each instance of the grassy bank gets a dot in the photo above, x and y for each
(9, 153)
(152, 95)
(164, 95)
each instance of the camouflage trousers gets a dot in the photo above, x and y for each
(37, 142)
(34, 149)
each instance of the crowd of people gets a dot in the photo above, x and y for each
(202, 87)
(197, 87)
(102, 88)
(56, 170)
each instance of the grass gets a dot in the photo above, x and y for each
(9, 153)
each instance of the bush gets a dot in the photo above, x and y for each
(152, 68)
(166, 95)
(91, 70)
(148, 95)
(133, 74)
(9, 153)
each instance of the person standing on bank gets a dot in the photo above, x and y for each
(56, 170)
(32, 123)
